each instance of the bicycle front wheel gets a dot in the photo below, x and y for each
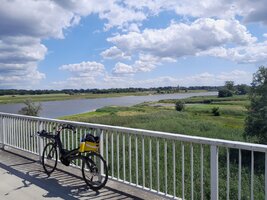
(95, 171)
(49, 158)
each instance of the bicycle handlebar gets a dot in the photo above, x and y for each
(66, 126)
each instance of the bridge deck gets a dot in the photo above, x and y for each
(21, 177)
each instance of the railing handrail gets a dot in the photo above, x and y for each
(151, 133)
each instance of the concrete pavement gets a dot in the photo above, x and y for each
(21, 177)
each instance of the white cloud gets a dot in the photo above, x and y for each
(83, 75)
(145, 63)
(113, 12)
(253, 53)
(123, 69)
(251, 11)
(85, 69)
(205, 78)
(23, 25)
(114, 53)
(238, 76)
(180, 39)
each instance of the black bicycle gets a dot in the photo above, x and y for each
(94, 167)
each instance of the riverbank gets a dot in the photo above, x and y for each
(8, 99)
(197, 118)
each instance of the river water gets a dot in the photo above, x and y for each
(55, 109)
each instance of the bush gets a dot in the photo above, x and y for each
(225, 93)
(256, 125)
(31, 108)
(207, 101)
(215, 111)
(179, 106)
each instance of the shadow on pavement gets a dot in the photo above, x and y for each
(60, 184)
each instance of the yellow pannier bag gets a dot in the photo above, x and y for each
(89, 143)
(89, 146)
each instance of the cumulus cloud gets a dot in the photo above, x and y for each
(114, 53)
(114, 12)
(206, 78)
(85, 69)
(251, 11)
(83, 75)
(180, 39)
(23, 25)
(257, 11)
(253, 53)
(123, 69)
(145, 63)
(156, 46)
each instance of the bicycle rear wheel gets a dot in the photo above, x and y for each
(95, 171)
(49, 158)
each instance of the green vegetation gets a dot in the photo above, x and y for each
(179, 106)
(197, 119)
(62, 97)
(30, 108)
(229, 89)
(4, 99)
(167, 89)
(215, 111)
(256, 125)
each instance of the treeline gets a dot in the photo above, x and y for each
(168, 89)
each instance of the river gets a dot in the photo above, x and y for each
(55, 109)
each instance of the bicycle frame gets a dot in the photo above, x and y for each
(66, 154)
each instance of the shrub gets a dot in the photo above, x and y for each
(256, 125)
(215, 111)
(31, 108)
(179, 106)
(207, 101)
(225, 93)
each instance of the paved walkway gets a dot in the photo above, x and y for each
(22, 177)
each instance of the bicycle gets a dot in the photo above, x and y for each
(94, 167)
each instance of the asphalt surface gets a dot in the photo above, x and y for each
(22, 177)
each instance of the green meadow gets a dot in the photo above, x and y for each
(197, 119)
(4, 99)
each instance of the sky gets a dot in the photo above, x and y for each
(59, 44)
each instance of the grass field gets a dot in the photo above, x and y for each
(197, 119)
(61, 97)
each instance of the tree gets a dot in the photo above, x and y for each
(215, 111)
(31, 108)
(225, 93)
(242, 89)
(256, 121)
(229, 85)
(227, 90)
(179, 106)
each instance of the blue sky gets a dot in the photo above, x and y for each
(60, 44)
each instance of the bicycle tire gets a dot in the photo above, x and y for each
(49, 159)
(92, 166)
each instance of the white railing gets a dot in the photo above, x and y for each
(173, 165)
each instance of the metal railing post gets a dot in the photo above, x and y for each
(40, 143)
(2, 137)
(214, 183)
(101, 150)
